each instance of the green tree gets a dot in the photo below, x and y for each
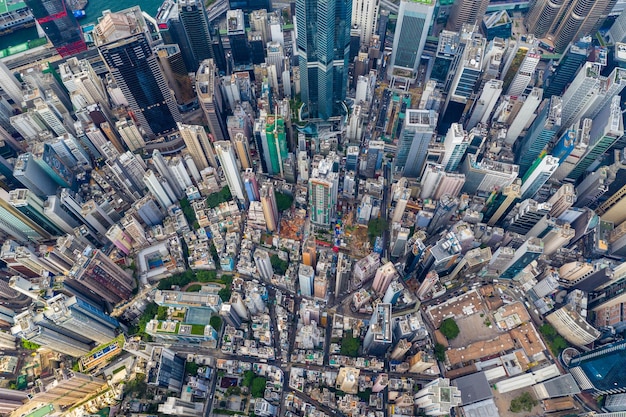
(162, 313)
(449, 328)
(194, 288)
(27, 344)
(376, 227)
(279, 266)
(248, 377)
(216, 322)
(440, 352)
(524, 402)
(190, 215)
(283, 201)
(224, 294)
(257, 389)
(192, 368)
(350, 345)
(215, 199)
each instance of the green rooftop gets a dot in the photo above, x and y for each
(10, 6)
(41, 412)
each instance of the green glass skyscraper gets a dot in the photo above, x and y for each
(323, 48)
(276, 143)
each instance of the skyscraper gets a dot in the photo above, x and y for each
(561, 22)
(414, 19)
(76, 315)
(268, 202)
(103, 276)
(606, 129)
(32, 207)
(485, 104)
(379, 337)
(466, 12)
(601, 370)
(173, 31)
(58, 22)
(524, 74)
(323, 189)
(125, 45)
(530, 250)
(323, 49)
(193, 16)
(455, 145)
(198, 145)
(276, 144)
(35, 329)
(226, 156)
(538, 175)
(209, 92)
(567, 67)
(364, 15)
(543, 129)
(419, 128)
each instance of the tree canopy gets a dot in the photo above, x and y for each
(216, 322)
(525, 402)
(449, 328)
(350, 345)
(283, 201)
(279, 266)
(258, 387)
(215, 199)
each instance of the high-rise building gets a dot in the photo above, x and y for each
(160, 189)
(590, 92)
(364, 15)
(379, 336)
(226, 156)
(455, 145)
(610, 378)
(198, 145)
(384, 275)
(268, 202)
(33, 207)
(466, 12)
(469, 68)
(417, 133)
(306, 276)
(530, 250)
(27, 171)
(263, 264)
(526, 215)
(76, 315)
(538, 175)
(566, 69)
(56, 19)
(276, 138)
(414, 20)
(209, 92)
(543, 129)
(485, 103)
(125, 44)
(17, 225)
(194, 19)
(173, 31)
(323, 49)
(486, 176)
(48, 336)
(562, 22)
(80, 79)
(524, 74)
(323, 189)
(236, 30)
(606, 129)
(525, 116)
(438, 397)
